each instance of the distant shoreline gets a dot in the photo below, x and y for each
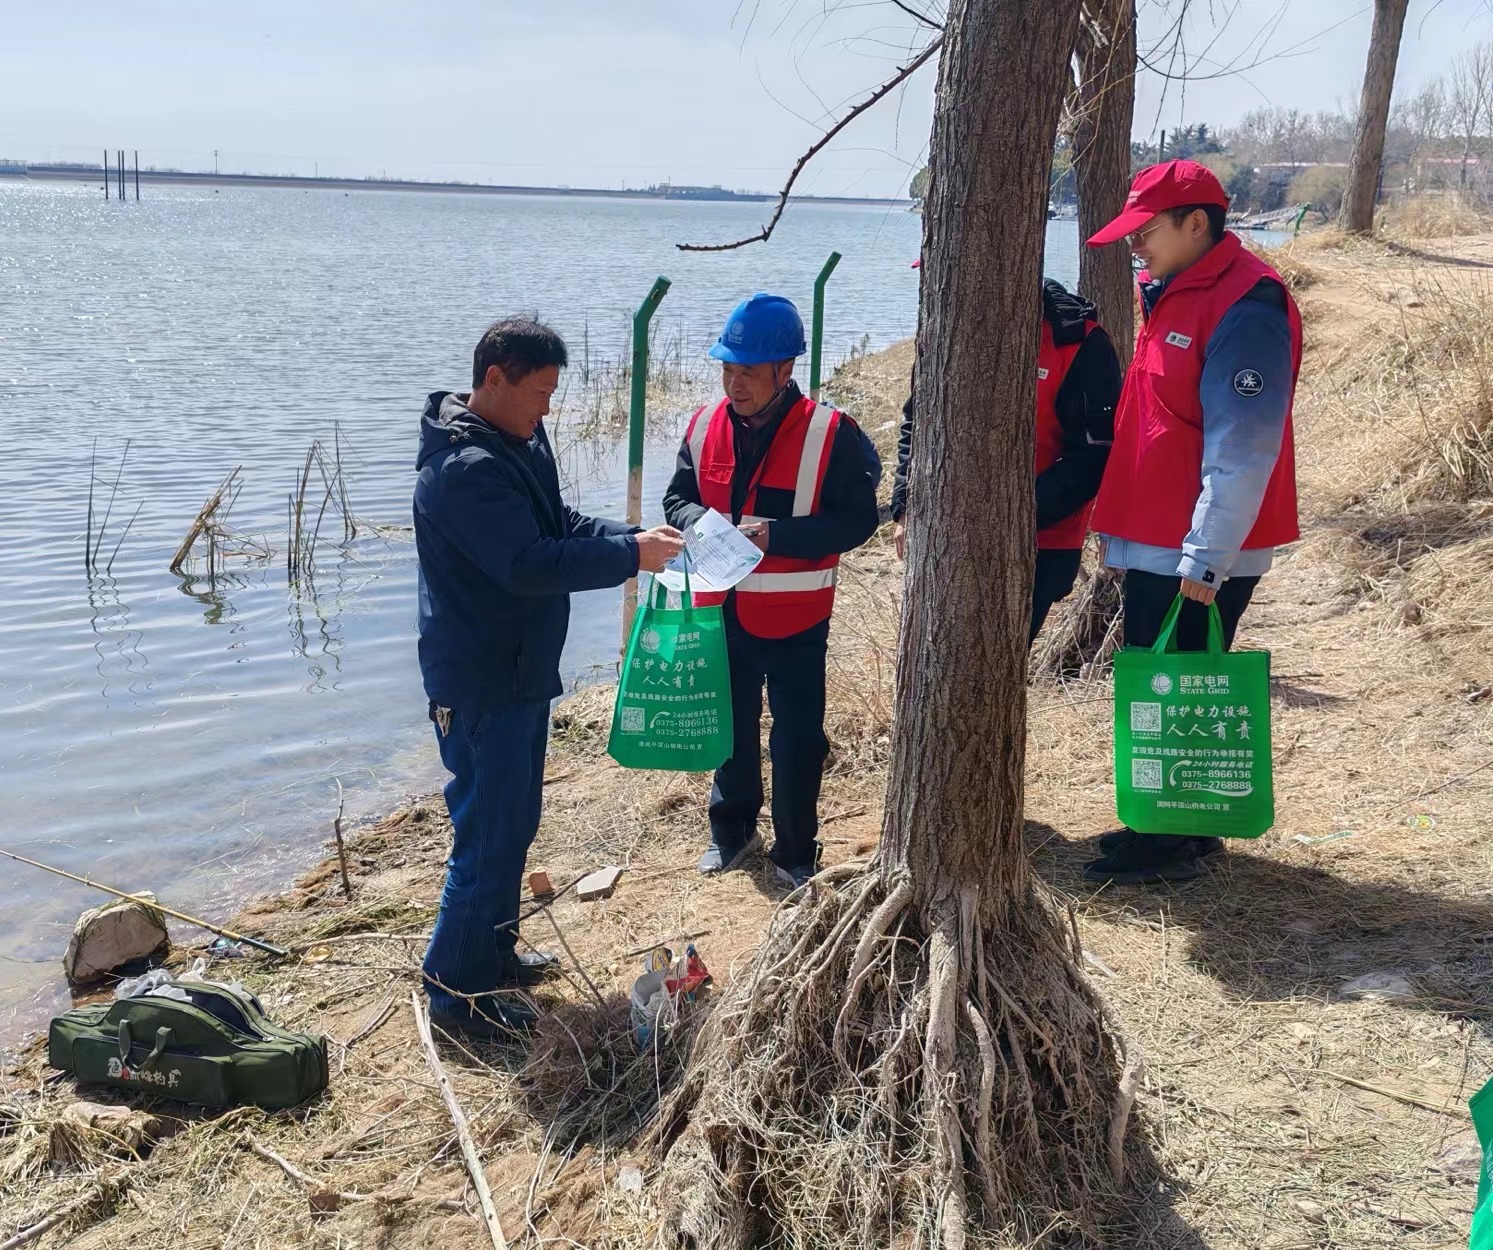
(157, 177)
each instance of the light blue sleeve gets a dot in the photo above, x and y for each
(1246, 395)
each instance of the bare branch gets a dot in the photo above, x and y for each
(886, 88)
(922, 17)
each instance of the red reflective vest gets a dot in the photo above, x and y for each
(1154, 476)
(1052, 369)
(782, 596)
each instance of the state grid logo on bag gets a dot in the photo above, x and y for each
(1162, 683)
(650, 641)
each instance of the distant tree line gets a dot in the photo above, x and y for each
(1439, 139)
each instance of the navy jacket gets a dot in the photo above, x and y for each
(500, 554)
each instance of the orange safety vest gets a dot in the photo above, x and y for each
(782, 596)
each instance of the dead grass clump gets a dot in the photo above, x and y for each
(582, 723)
(1436, 215)
(1287, 261)
(589, 1081)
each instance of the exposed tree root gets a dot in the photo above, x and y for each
(889, 1078)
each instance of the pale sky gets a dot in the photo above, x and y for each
(590, 92)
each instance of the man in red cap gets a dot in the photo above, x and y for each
(1200, 487)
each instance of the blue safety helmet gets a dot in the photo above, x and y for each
(761, 331)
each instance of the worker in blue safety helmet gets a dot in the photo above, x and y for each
(799, 478)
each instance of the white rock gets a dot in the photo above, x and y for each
(109, 937)
(1375, 986)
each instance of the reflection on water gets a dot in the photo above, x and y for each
(186, 733)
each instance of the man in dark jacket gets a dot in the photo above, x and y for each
(1078, 385)
(500, 554)
(800, 478)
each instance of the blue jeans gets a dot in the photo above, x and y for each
(496, 762)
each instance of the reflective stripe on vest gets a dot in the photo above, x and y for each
(777, 583)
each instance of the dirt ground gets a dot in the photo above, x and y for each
(1287, 1112)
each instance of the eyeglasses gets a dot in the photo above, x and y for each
(1139, 237)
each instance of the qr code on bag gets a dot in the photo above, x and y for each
(1145, 774)
(1145, 718)
(634, 720)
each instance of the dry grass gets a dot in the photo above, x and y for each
(1436, 215)
(1285, 1114)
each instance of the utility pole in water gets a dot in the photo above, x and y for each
(215, 161)
(137, 175)
(106, 173)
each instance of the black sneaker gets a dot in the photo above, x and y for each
(724, 857)
(1148, 860)
(1115, 839)
(529, 968)
(491, 1019)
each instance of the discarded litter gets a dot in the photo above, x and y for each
(665, 983)
(1377, 986)
(1421, 822)
(1307, 840)
(630, 1180)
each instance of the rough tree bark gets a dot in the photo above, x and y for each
(1104, 107)
(915, 1057)
(1357, 216)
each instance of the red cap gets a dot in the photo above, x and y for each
(1177, 184)
(917, 264)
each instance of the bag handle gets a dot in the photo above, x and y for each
(1166, 640)
(659, 593)
(127, 1043)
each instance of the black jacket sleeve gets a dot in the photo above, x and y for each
(904, 453)
(682, 506)
(847, 514)
(1086, 411)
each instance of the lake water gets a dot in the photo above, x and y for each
(186, 736)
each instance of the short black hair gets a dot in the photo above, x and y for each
(518, 346)
(1218, 218)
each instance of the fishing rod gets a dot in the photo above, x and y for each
(266, 947)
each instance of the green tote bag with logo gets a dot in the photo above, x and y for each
(1192, 737)
(1482, 1214)
(673, 706)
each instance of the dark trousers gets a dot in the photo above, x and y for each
(496, 762)
(1052, 580)
(1149, 597)
(793, 671)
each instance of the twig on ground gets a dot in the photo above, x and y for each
(320, 1188)
(459, 1122)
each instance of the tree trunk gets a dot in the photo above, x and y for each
(1373, 117)
(954, 804)
(915, 1057)
(1101, 157)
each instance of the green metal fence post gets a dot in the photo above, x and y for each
(636, 425)
(816, 346)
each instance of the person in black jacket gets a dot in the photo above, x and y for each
(800, 479)
(1078, 386)
(500, 554)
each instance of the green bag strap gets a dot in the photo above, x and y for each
(126, 1044)
(1166, 639)
(659, 593)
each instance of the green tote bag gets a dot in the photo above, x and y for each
(1192, 737)
(673, 706)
